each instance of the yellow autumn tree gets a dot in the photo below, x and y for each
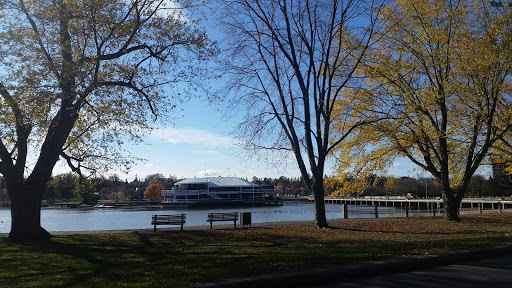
(154, 189)
(345, 184)
(440, 79)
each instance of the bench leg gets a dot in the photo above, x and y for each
(211, 224)
(234, 223)
(154, 229)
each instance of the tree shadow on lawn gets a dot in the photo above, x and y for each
(427, 226)
(189, 257)
(488, 219)
(465, 232)
(109, 258)
(205, 256)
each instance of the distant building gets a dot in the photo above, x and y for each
(216, 190)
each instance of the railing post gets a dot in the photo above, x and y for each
(344, 211)
(407, 211)
(480, 207)
(434, 208)
(500, 206)
(376, 211)
(154, 222)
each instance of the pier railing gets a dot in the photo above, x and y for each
(413, 207)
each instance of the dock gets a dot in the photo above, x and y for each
(422, 204)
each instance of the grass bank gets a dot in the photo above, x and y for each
(174, 259)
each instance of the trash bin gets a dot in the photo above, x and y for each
(245, 219)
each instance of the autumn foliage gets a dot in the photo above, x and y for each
(154, 189)
(440, 80)
(80, 78)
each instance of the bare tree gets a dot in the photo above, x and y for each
(291, 64)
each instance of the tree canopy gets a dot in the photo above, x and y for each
(79, 78)
(440, 76)
(287, 71)
(154, 189)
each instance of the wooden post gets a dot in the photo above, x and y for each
(406, 211)
(480, 207)
(500, 206)
(154, 221)
(182, 221)
(344, 211)
(434, 208)
(376, 211)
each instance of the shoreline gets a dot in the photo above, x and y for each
(258, 225)
(188, 228)
(253, 226)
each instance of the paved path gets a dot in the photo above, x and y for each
(487, 267)
(493, 272)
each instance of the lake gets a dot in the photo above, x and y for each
(124, 219)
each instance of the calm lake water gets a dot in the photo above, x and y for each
(119, 219)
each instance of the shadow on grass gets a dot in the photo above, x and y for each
(175, 259)
(466, 232)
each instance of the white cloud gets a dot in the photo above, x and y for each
(193, 136)
(396, 164)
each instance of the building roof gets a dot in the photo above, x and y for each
(219, 182)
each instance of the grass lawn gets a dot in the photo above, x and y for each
(175, 259)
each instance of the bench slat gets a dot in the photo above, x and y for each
(168, 220)
(214, 217)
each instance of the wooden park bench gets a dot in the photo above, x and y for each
(214, 217)
(178, 219)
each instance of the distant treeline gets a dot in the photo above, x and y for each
(374, 185)
(69, 187)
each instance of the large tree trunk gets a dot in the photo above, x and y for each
(318, 193)
(451, 206)
(26, 215)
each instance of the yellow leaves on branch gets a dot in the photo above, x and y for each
(344, 185)
(434, 79)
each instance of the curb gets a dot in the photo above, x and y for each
(357, 271)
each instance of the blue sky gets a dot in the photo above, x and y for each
(199, 143)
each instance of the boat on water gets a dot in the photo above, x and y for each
(220, 190)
